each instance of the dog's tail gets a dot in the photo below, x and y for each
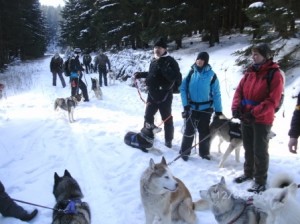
(200, 205)
(281, 180)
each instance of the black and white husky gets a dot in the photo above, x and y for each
(69, 207)
(112, 76)
(67, 104)
(96, 88)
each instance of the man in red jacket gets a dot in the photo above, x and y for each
(254, 103)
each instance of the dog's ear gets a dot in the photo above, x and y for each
(293, 188)
(222, 181)
(56, 177)
(151, 164)
(163, 161)
(67, 173)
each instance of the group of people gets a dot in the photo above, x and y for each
(254, 103)
(75, 69)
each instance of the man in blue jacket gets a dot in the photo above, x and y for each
(200, 95)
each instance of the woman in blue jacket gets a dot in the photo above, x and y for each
(200, 95)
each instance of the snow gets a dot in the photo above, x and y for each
(37, 141)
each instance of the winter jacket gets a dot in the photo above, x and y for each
(56, 65)
(201, 93)
(75, 67)
(254, 95)
(101, 60)
(294, 131)
(161, 77)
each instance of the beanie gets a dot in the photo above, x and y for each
(160, 43)
(203, 56)
(263, 49)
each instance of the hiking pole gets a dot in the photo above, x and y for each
(189, 149)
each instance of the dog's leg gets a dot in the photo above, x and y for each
(237, 154)
(186, 212)
(149, 217)
(226, 154)
(220, 143)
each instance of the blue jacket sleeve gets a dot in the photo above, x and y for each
(216, 94)
(183, 92)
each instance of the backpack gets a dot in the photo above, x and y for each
(269, 78)
(66, 69)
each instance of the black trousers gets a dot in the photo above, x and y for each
(165, 109)
(198, 120)
(77, 84)
(256, 144)
(54, 77)
(102, 75)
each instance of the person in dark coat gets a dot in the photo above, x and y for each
(87, 59)
(254, 103)
(101, 60)
(76, 75)
(201, 96)
(56, 67)
(161, 78)
(9, 208)
(294, 131)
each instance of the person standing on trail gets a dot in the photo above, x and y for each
(56, 67)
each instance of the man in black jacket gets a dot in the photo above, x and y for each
(294, 131)
(163, 75)
(56, 64)
(8, 208)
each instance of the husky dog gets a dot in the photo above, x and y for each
(166, 197)
(223, 128)
(228, 208)
(279, 201)
(111, 77)
(96, 88)
(67, 104)
(69, 208)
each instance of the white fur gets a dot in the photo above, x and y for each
(280, 204)
(166, 197)
(111, 78)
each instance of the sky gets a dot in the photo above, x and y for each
(37, 141)
(54, 3)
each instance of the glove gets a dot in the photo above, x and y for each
(186, 111)
(248, 117)
(293, 145)
(236, 114)
(218, 115)
(137, 75)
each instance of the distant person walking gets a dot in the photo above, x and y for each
(101, 61)
(56, 67)
(87, 59)
(294, 131)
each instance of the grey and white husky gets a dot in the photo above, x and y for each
(96, 88)
(227, 208)
(69, 208)
(67, 104)
(166, 197)
(221, 127)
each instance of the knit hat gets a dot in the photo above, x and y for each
(203, 56)
(264, 50)
(160, 43)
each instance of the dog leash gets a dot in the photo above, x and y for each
(189, 149)
(136, 86)
(41, 206)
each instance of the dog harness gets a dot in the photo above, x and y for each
(70, 208)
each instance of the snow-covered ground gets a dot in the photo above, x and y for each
(37, 141)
